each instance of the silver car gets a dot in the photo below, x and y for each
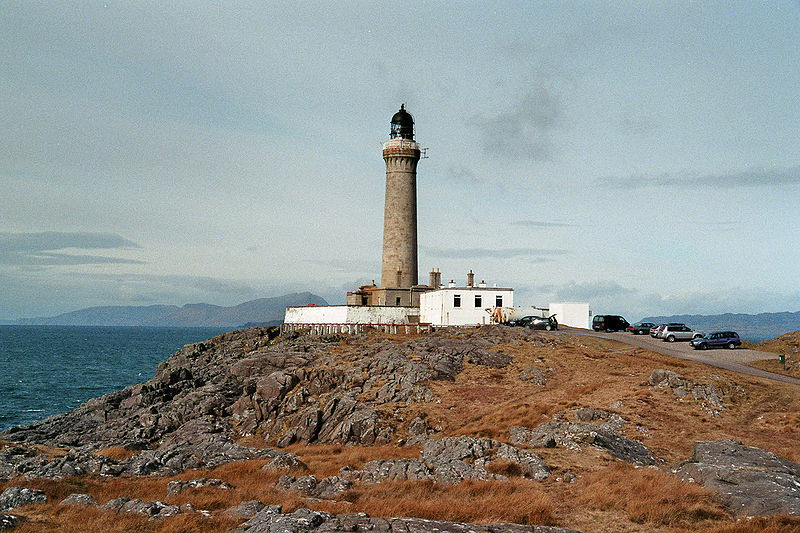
(673, 332)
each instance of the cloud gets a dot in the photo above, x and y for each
(541, 224)
(39, 249)
(588, 291)
(497, 253)
(751, 177)
(524, 131)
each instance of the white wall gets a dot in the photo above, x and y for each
(344, 314)
(575, 314)
(438, 308)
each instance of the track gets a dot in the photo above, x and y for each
(734, 360)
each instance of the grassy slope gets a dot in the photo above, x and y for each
(606, 496)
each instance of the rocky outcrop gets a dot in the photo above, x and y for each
(451, 460)
(325, 489)
(573, 435)
(711, 396)
(8, 521)
(751, 481)
(306, 520)
(290, 389)
(82, 500)
(152, 510)
(18, 496)
(176, 487)
(246, 510)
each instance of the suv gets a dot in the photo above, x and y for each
(672, 333)
(609, 323)
(641, 328)
(521, 322)
(730, 339)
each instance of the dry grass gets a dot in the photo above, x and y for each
(117, 453)
(775, 366)
(648, 495)
(775, 524)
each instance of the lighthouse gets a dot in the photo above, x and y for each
(401, 154)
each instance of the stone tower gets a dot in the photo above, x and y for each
(401, 153)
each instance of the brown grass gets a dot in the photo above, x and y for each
(648, 495)
(775, 524)
(775, 366)
(118, 453)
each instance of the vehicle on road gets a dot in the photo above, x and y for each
(641, 328)
(609, 323)
(521, 322)
(654, 331)
(546, 323)
(678, 332)
(658, 333)
(718, 339)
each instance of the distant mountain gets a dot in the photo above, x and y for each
(750, 327)
(264, 311)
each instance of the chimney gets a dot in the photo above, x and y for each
(452, 283)
(438, 279)
(482, 284)
(432, 279)
(470, 278)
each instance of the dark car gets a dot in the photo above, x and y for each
(718, 339)
(546, 323)
(609, 323)
(641, 328)
(521, 322)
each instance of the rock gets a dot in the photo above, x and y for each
(286, 461)
(153, 510)
(8, 521)
(245, 510)
(711, 396)
(451, 460)
(325, 489)
(176, 487)
(18, 496)
(751, 481)
(588, 414)
(83, 500)
(533, 375)
(418, 426)
(304, 520)
(572, 435)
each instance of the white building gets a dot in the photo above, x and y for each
(351, 314)
(575, 314)
(462, 306)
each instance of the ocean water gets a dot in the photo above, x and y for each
(46, 370)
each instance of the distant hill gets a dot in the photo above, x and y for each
(750, 327)
(264, 311)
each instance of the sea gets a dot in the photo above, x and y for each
(45, 370)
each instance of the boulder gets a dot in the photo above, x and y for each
(8, 521)
(83, 500)
(244, 510)
(153, 510)
(751, 481)
(18, 496)
(325, 489)
(304, 520)
(176, 487)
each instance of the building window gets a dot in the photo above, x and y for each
(397, 301)
(456, 300)
(478, 300)
(498, 301)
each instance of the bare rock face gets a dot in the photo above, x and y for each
(324, 489)
(152, 510)
(304, 520)
(18, 496)
(712, 397)
(750, 480)
(245, 510)
(176, 487)
(290, 389)
(451, 460)
(83, 500)
(574, 434)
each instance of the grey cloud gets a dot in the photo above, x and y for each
(752, 177)
(499, 253)
(40, 249)
(525, 131)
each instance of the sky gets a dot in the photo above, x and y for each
(640, 156)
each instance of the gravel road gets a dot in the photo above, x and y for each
(735, 360)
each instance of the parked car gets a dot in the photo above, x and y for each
(718, 339)
(609, 323)
(673, 332)
(659, 332)
(521, 322)
(546, 323)
(641, 328)
(654, 331)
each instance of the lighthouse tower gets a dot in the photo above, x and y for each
(401, 154)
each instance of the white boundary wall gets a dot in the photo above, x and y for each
(575, 314)
(349, 314)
